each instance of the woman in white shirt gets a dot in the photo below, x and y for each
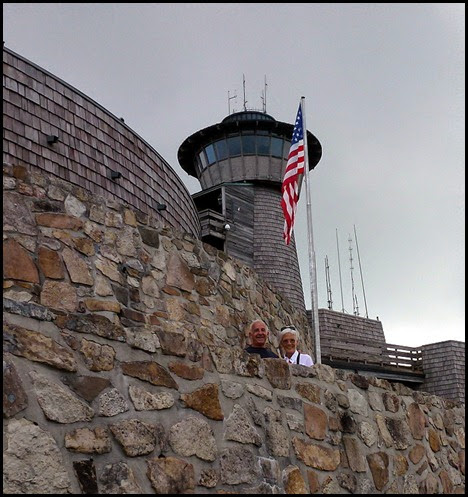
(289, 338)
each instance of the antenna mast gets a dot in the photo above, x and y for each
(327, 277)
(229, 102)
(355, 303)
(339, 269)
(360, 270)
(243, 84)
(264, 96)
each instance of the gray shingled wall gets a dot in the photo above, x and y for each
(333, 324)
(91, 143)
(275, 261)
(239, 205)
(444, 367)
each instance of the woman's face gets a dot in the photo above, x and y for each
(288, 344)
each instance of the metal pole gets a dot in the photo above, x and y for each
(354, 296)
(312, 265)
(339, 269)
(327, 278)
(360, 270)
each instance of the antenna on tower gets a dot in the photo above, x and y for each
(354, 296)
(264, 96)
(229, 102)
(327, 277)
(339, 269)
(360, 270)
(243, 84)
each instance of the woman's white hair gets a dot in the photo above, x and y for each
(289, 330)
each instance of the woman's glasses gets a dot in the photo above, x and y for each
(291, 327)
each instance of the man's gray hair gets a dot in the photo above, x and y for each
(258, 320)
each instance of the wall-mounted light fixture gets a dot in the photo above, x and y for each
(161, 207)
(227, 227)
(114, 174)
(52, 139)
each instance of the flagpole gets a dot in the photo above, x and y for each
(312, 264)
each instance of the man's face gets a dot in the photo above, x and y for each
(258, 334)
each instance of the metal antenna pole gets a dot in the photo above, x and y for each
(264, 102)
(339, 269)
(354, 297)
(310, 235)
(243, 84)
(229, 102)
(327, 278)
(360, 270)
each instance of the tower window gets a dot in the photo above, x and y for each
(263, 145)
(234, 146)
(248, 144)
(276, 147)
(210, 154)
(202, 158)
(221, 149)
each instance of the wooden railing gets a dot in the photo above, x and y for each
(212, 223)
(344, 349)
(402, 356)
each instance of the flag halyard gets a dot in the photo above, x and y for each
(292, 173)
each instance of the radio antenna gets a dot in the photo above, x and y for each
(354, 296)
(264, 96)
(360, 270)
(339, 269)
(243, 84)
(229, 102)
(327, 278)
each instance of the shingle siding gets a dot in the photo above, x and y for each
(333, 325)
(444, 367)
(91, 143)
(275, 261)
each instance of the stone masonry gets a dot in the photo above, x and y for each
(124, 370)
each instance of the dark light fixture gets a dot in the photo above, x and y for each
(114, 174)
(161, 207)
(52, 139)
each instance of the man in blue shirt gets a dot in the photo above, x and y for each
(258, 334)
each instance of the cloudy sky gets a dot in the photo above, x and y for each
(384, 87)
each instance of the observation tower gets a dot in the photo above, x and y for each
(240, 164)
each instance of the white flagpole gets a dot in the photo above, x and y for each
(312, 265)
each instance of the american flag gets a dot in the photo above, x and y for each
(294, 168)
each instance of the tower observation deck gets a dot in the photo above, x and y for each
(240, 164)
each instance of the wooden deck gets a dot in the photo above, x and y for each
(394, 362)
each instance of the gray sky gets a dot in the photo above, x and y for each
(385, 95)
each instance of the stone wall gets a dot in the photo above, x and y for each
(124, 370)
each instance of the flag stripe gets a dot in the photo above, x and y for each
(290, 185)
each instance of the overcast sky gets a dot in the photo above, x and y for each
(385, 96)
